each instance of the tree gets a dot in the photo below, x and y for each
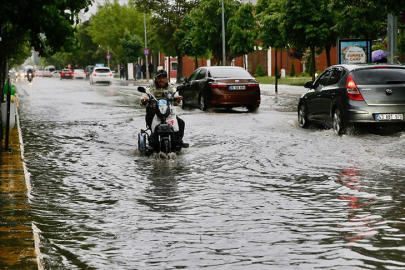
(166, 20)
(305, 24)
(111, 21)
(187, 44)
(242, 26)
(45, 25)
(132, 45)
(208, 22)
(270, 17)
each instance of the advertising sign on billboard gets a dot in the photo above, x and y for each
(354, 51)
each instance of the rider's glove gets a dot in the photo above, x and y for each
(144, 101)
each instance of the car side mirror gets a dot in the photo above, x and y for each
(141, 89)
(309, 84)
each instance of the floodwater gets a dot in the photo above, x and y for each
(253, 191)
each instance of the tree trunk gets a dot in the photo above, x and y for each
(313, 62)
(179, 66)
(327, 50)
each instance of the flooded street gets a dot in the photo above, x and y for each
(253, 191)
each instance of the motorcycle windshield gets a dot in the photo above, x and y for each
(162, 105)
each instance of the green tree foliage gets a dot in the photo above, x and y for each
(108, 25)
(208, 26)
(166, 20)
(132, 45)
(187, 44)
(243, 34)
(47, 26)
(305, 24)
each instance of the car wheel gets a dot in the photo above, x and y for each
(183, 104)
(202, 103)
(302, 116)
(252, 108)
(338, 123)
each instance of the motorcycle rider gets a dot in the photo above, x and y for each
(30, 72)
(159, 88)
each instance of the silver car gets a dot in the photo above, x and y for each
(372, 94)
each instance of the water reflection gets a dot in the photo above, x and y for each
(162, 193)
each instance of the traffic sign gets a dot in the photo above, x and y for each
(108, 57)
(146, 51)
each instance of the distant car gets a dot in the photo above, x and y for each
(101, 75)
(79, 73)
(48, 71)
(66, 74)
(39, 73)
(369, 94)
(220, 86)
(56, 73)
(88, 70)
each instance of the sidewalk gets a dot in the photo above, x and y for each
(16, 235)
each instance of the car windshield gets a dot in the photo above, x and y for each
(230, 73)
(379, 76)
(102, 70)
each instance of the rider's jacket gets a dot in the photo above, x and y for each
(158, 92)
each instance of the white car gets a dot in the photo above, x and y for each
(101, 75)
(55, 73)
(79, 73)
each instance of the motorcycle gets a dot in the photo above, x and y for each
(160, 137)
(29, 75)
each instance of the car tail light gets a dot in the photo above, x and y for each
(94, 74)
(218, 85)
(111, 74)
(352, 90)
(253, 85)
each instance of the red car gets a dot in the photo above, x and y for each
(66, 74)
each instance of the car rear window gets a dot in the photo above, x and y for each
(379, 76)
(102, 70)
(230, 73)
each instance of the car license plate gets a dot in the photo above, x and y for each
(385, 117)
(237, 87)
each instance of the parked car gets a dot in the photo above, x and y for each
(88, 70)
(220, 86)
(101, 75)
(56, 73)
(353, 95)
(79, 73)
(66, 74)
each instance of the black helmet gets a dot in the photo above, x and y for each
(160, 73)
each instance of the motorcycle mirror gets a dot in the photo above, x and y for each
(141, 89)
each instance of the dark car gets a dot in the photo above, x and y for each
(220, 86)
(370, 94)
(66, 74)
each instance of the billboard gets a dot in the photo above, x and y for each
(354, 51)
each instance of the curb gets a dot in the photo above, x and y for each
(16, 235)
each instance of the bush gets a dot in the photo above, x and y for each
(292, 71)
(260, 71)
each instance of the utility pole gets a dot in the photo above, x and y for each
(146, 46)
(223, 36)
(392, 52)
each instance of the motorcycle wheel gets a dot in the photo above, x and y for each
(165, 146)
